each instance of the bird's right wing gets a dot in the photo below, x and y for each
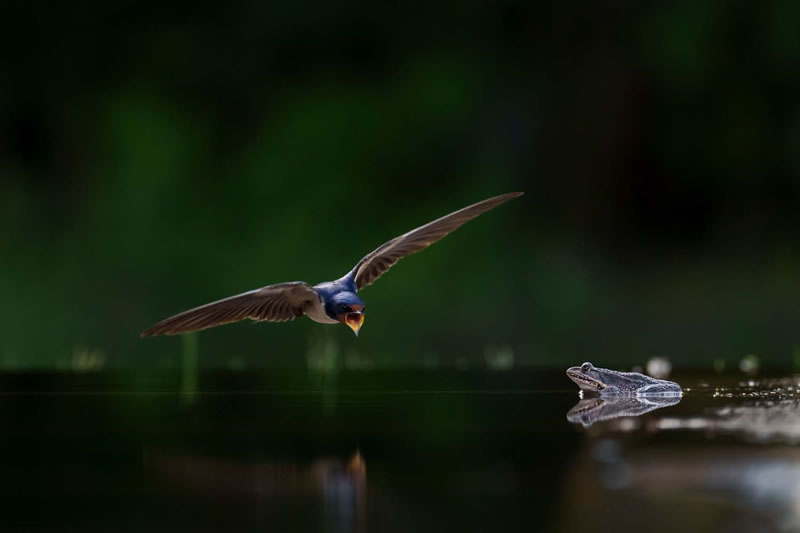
(377, 262)
(273, 303)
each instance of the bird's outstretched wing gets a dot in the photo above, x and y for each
(377, 262)
(273, 303)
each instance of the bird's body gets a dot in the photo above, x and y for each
(327, 290)
(329, 302)
(316, 312)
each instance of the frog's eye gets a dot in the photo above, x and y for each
(585, 367)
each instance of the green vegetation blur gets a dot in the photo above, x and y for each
(153, 159)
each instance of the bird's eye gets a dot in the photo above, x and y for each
(344, 308)
(585, 367)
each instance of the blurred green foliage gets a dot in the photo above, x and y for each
(154, 158)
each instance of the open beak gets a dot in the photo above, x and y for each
(354, 321)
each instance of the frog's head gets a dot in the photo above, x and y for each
(587, 377)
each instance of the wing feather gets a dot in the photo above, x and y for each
(377, 262)
(273, 303)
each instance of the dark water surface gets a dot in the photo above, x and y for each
(392, 451)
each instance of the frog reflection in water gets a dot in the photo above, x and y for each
(612, 383)
(600, 408)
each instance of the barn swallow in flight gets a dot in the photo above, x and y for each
(329, 302)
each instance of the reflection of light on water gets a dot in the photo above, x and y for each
(341, 485)
(679, 423)
(762, 421)
(343, 495)
(764, 482)
(762, 410)
(627, 425)
(606, 451)
(615, 473)
(647, 485)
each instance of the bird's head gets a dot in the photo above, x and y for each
(348, 309)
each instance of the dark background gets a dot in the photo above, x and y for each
(154, 158)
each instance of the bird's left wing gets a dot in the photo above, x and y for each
(273, 303)
(377, 262)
